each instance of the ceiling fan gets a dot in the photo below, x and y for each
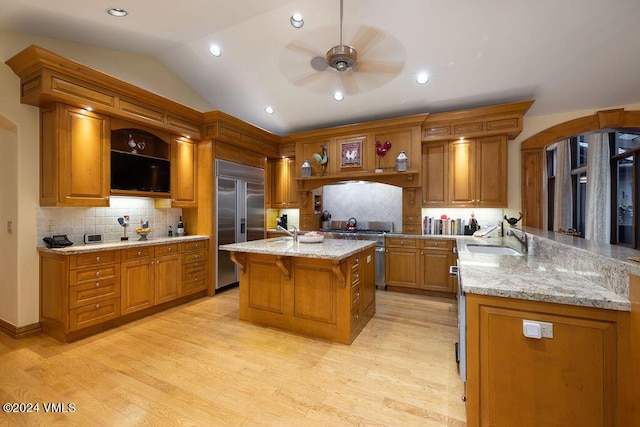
(371, 59)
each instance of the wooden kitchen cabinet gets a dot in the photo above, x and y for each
(435, 176)
(87, 292)
(478, 172)
(571, 379)
(150, 276)
(195, 270)
(285, 190)
(436, 256)
(401, 263)
(74, 157)
(184, 158)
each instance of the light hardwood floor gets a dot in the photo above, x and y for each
(199, 365)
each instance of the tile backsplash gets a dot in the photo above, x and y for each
(75, 222)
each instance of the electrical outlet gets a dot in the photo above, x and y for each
(10, 227)
(547, 329)
(50, 226)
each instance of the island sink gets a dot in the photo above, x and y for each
(494, 250)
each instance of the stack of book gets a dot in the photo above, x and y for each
(449, 226)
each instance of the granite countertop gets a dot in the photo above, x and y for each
(118, 244)
(334, 249)
(537, 275)
(558, 268)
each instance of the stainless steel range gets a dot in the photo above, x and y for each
(366, 230)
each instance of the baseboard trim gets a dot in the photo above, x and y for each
(18, 332)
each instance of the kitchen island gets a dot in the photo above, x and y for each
(324, 290)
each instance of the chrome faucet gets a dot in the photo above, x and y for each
(294, 234)
(523, 239)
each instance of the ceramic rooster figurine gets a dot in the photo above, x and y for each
(321, 159)
(381, 150)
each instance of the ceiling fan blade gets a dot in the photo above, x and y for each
(349, 85)
(303, 49)
(305, 79)
(363, 39)
(380, 67)
(319, 63)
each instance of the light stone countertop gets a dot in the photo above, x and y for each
(118, 244)
(334, 249)
(557, 268)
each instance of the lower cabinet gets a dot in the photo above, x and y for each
(570, 379)
(420, 265)
(84, 293)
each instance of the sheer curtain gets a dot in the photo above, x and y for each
(598, 201)
(563, 209)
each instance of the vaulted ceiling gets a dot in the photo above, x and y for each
(567, 55)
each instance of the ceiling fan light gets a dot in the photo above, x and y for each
(296, 20)
(114, 11)
(342, 58)
(338, 96)
(422, 78)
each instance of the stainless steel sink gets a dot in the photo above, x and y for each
(281, 240)
(493, 250)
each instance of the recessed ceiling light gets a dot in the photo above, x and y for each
(269, 109)
(114, 11)
(422, 78)
(296, 20)
(215, 50)
(338, 96)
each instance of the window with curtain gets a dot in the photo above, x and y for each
(625, 174)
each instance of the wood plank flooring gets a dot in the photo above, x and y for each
(199, 365)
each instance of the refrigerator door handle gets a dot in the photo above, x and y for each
(243, 225)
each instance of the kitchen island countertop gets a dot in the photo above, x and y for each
(334, 249)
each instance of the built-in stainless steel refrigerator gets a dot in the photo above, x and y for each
(240, 213)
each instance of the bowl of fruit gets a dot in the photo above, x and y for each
(311, 237)
(143, 230)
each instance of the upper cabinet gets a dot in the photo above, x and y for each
(184, 158)
(284, 192)
(465, 173)
(74, 157)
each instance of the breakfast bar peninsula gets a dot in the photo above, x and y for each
(324, 290)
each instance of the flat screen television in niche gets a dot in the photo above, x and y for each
(139, 173)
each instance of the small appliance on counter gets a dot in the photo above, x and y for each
(93, 238)
(282, 221)
(352, 224)
(325, 219)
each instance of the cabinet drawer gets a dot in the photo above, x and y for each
(195, 284)
(200, 256)
(137, 253)
(96, 291)
(193, 269)
(93, 314)
(411, 219)
(90, 275)
(395, 241)
(411, 229)
(444, 245)
(194, 246)
(162, 250)
(94, 258)
(355, 296)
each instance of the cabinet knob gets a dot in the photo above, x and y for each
(139, 253)
(98, 305)
(152, 262)
(197, 244)
(97, 284)
(98, 258)
(196, 264)
(97, 273)
(170, 248)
